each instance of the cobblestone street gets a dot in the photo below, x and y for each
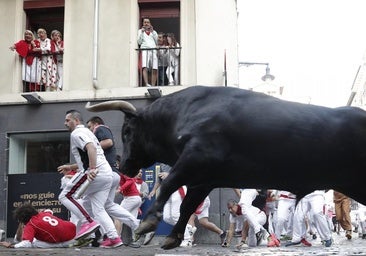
(341, 246)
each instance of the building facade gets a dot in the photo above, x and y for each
(357, 97)
(100, 62)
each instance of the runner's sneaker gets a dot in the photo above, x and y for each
(148, 237)
(273, 241)
(111, 243)
(134, 244)
(259, 235)
(349, 234)
(292, 243)
(186, 243)
(304, 242)
(86, 229)
(242, 245)
(136, 237)
(223, 237)
(82, 242)
(328, 243)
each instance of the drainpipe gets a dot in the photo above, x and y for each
(95, 44)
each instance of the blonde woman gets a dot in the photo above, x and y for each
(48, 65)
(31, 64)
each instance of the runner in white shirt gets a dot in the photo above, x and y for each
(94, 168)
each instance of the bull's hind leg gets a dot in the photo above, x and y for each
(155, 212)
(191, 201)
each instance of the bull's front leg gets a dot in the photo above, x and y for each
(155, 212)
(191, 201)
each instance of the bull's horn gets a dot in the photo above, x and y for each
(121, 105)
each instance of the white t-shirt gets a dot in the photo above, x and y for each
(78, 139)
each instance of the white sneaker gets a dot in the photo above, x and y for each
(241, 245)
(186, 243)
(148, 237)
(148, 85)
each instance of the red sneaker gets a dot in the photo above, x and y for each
(304, 242)
(111, 243)
(86, 229)
(273, 241)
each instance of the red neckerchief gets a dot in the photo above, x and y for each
(181, 192)
(138, 180)
(238, 211)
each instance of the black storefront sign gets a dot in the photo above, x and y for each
(41, 190)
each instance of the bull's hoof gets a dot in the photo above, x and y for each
(146, 226)
(171, 243)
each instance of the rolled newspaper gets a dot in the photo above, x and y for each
(81, 190)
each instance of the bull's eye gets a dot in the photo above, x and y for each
(126, 133)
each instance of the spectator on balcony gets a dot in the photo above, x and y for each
(57, 48)
(173, 64)
(147, 39)
(31, 65)
(48, 65)
(162, 59)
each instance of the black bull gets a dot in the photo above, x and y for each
(228, 137)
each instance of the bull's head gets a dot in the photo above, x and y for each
(133, 156)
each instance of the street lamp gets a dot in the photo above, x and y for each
(267, 76)
(267, 87)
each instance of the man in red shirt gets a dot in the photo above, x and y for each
(42, 229)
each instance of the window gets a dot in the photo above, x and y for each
(38, 152)
(164, 16)
(47, 14)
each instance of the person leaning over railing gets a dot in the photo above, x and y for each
(31, 65)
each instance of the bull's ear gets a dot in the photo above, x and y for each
(120, 105)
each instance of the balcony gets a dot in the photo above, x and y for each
(45, 72)
(42, 72)
(159, 66)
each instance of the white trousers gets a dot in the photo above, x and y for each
(285, 213)
(171, 212)
(117, 211)
(96, 195)
(260, 217)
(313, 204)
(246, 198)
(169, 72)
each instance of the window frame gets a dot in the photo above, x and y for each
(18, 143)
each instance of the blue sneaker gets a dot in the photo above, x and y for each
(292, 243)
(328, 242)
